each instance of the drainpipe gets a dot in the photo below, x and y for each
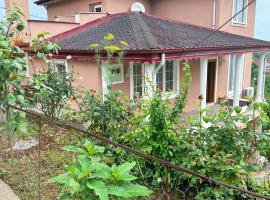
(162, 63)
(155, 71)
(214, 14)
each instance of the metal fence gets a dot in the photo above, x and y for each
(44, 158)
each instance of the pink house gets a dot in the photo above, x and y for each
(161, 36)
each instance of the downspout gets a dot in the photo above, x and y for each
(162, 63)
(155, 71)
(214, 14)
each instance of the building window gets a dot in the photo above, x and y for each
(241, 18)
(117, 73)
(97, 7)
(138, 79)
(165, 77)
(60, 66)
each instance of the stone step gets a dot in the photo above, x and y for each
(6, 192)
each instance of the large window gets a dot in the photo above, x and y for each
(138, 79)
(165, 78)
(241, 18)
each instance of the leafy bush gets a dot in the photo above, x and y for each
(221, 147)
(53, 91)
(154, 129)
(109, 117)
(89, 178)
(12, 70)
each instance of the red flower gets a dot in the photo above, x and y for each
(200, 97)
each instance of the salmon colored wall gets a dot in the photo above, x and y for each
(21, 3)
(222, 76)
(87, 17)
(117, 6)
(69, 7)
(247, 71)
(194, 91)
(35, 27)
(224, 12)
(191, 11)
(89, 76)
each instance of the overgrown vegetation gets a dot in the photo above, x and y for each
(220, 146)
(90, 178)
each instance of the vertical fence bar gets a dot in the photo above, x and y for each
(39, 156)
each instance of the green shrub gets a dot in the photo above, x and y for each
(89, 178)
(109, 117)
(53, 91)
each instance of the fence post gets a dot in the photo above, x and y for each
(39, 156)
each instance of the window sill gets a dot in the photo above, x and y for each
(118, 82)
(244, 25)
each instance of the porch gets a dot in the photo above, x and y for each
(213, 78)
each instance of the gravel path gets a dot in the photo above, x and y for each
(6, 193)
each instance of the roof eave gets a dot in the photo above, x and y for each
(172, 54)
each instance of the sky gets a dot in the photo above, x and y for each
(262, 25)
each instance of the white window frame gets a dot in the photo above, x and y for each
(96, 7)
(230, 94)
(132, 80)
(235, 22)
(60, 61)
(121, 66)
(176, 80)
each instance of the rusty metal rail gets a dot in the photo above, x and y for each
(140, 154)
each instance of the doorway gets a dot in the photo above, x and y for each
(211, 81)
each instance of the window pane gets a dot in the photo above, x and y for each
(159, 80)
(169, 75)
(137, 79)
(116, 73)
(60, 67)
(238, 6)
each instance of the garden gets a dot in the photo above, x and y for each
(61, 142)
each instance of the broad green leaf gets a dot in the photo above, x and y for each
(62, 179)
(85, 164)
(127, 177)
(100, 189)
(11, 99)
(75, 149)
(102, 171)
(50, 47)
(117, 191)
(125, 168)
(136, 190)
(74, 186)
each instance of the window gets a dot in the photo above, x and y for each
(60, 66)
(165, 78)
(97, 7)
(138, 79)
(241, 18)
(117, 74)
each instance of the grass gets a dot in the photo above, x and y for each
(20, 170)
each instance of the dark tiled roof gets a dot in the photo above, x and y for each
(40, 2)
(144, 32)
